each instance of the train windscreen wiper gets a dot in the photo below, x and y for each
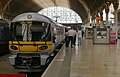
(44, 37)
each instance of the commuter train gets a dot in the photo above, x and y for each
(34, 37)
(4, 37)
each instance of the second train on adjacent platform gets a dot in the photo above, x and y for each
(34, 37)
(4, 37)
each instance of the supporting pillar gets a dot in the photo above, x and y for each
(116, 18)
(107, 11)
(93, 21)
(97, 19)
(101, 19)
(1, 14)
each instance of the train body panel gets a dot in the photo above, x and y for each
(31, 17)
(34, 37)
(30, 46)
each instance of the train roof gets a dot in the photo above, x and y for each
(31, 17)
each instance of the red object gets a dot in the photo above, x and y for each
(113, 38)
(97, 18)
(13, 75)
(100, 18)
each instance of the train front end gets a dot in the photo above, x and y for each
(30, 43)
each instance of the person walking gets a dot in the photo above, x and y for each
(74, 39)
(71, 33)
(79, 37)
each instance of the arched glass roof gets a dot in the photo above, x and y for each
(61, 15)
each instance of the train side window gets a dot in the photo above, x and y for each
(54, 35)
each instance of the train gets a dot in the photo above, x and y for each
(4, 37)
(34, 39)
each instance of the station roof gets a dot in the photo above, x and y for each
(85, 8)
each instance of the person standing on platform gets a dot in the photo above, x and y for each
(66, 39)
(79, 37)
(82, 33)
(74, 39)
(71, 33)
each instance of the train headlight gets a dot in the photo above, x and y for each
(13, 47)
(43, 47)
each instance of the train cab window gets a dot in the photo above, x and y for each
(40, 31)
(19, 32)
(31, 31)
(16, 31)
(37, 30)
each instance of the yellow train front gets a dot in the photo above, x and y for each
(33, 39)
